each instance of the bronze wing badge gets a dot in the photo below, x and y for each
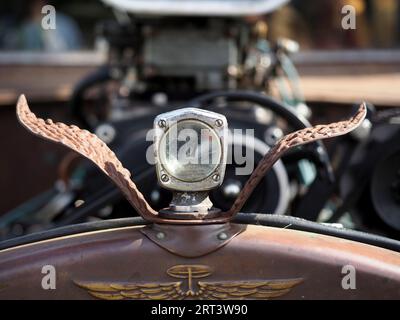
(260, 290)
(130, 291)
(191, 288)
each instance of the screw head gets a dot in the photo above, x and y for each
(219, 123)
(222, 236)
(160, 235)
(162, 123)
(216, 177)
(164, 178)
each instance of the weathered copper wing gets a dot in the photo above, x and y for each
(90, 146)
(293, 140)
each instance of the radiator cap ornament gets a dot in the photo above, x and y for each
(200, 136)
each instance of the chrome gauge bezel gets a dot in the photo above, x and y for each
(216, 122)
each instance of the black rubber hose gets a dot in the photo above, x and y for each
(277, 221)
(297, 121)
(295, 223)
(71, 230)
(101, 75)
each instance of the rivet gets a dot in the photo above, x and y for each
(160, 235)
(222, 236)
(216, 177)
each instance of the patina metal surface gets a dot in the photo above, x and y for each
(204, 239)
(259, 257)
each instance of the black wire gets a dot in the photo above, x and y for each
(295, 223)
(70, 230)
(277, 221)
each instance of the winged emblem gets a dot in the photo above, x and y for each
(91, 147)
(180, 290)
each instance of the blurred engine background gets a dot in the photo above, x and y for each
(112, 72)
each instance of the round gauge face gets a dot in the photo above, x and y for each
(190, 150)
